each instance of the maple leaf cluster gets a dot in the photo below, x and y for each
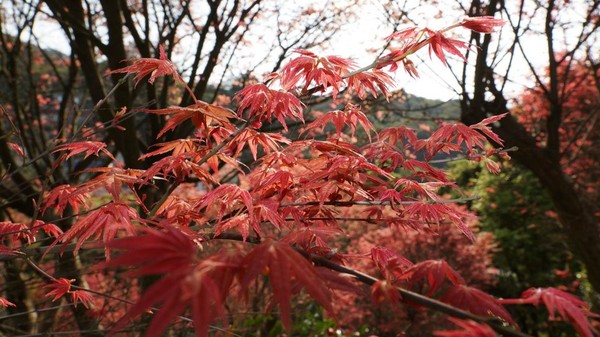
(284, 205)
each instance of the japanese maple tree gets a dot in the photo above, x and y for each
(272, 220)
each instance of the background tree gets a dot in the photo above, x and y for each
(551, 145)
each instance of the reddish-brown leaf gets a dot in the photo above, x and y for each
(82, 296)
(58, 288)
(105, 221)
(226, 197)
(568, 306)
(310, 69)
(143, 67)
(263, 103)
(468, 329)
(62, 196)
(385, 291)
(389, 262)
(482, 24)
(154, 252)
(89, 147)
(373, 82)
(476, 301)
(485, 129)
(351, 116)
(440, 45)
(435, 272)
(17, 149)
(201, 114)
(284, 266)
(6, 303)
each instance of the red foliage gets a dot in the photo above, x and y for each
(143, 67)
(568, 306)
(294, 201)
(578, 130)
(469, 329)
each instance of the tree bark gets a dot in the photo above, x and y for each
(577, 215)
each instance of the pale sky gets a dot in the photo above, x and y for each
(355, 38)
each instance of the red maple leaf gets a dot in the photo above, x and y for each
(440, 45)
(6, 303)
(263, 103)
(201, 114)
(384, 290)
(435, 272)
(89, 147)
(143, 67)
(324, 72)
(62, 196)
(372, 82)
(469, 329)
(389, 262)
(351, 116)
(482, 24)
(284, 266)
(82, 296)
(185, 283)
(105, 221)
(58, 288)
(476, 301)
(226, 197)
(568, 306)
(269, 142)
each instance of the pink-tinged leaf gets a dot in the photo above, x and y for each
(373, 82)
(260, 102)
(106, 222)
(284, 265)
(17, 231)
(389, 262)
(171, 293)
(568, 306)
(155, 252)
(6, 303)
(476, 301)
(17, 149)
(82, 296)
(468, 329)
(239, 222)
(176, 147)
(89, 147)
(351, 116)
(337, 281)
(62, 196)
(186, 282)
(112, 179)
(143, 67)
(440, 45)
(435, 272)
(385, 291)
(492, 119)
(50, 229)
(201, 114)
(58, 288)
(269, 142)
(482, 24)
(310, 69)
(485, 129)
(226, 197)
(492, 166)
